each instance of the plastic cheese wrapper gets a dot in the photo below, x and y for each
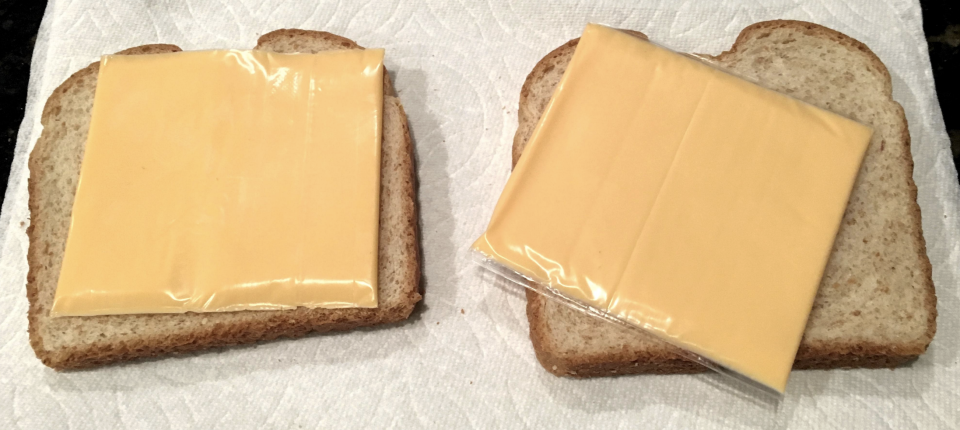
(663, 193)
(225, 181)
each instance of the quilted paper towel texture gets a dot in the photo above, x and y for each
(464, 359)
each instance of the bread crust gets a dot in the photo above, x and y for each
(210, 330)
(659, 360)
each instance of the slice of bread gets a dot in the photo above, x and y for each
(876, 305)
(77, 342)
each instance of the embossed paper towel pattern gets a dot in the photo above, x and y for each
(458, 67)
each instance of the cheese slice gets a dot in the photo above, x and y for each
(682, 199)
(228, 180)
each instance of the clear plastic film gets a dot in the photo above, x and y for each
(225, 181)
(665, 194)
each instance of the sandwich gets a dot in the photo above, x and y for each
(875, 306)
(72, 342)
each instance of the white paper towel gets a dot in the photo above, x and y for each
(464, 359)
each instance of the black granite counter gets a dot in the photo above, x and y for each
(19, 21)
(941, 23)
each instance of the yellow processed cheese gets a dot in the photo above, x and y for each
(228, 180)
(680, 198)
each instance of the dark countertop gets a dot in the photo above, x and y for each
(19, 21)
(941, 23)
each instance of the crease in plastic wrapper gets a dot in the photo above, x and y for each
(662, 193)
(228, 180)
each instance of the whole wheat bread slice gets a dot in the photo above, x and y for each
(77, 342)
(876, 305)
